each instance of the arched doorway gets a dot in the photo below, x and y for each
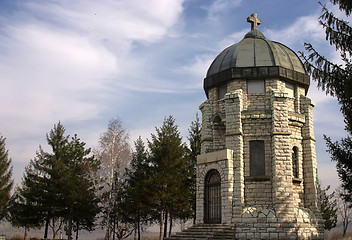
(212, 197)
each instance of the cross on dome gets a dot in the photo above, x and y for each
(254, 20)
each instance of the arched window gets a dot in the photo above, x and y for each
(295, 162)
(212, 197)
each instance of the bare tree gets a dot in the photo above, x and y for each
(344, 208)
(114, 153)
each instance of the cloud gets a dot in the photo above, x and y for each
(58, 71)
(305, 27)
(114, 20)
(74, 61)
(219, 6)
(199, 68)
(72, 53)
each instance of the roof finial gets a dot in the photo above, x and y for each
(254, 20)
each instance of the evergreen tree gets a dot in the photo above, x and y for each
(137, 189)
(328, 207)
(5, 179)
(336, 80)
(57, 185)
(23, 214)
(195, 144)
(168, 168)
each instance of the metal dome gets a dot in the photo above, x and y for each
(256, 57)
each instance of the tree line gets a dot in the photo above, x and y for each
(73, 188)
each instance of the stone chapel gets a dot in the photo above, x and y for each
(257, 171)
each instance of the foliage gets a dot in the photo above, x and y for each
(169, 174)
(194, 144)
(6, 181)
(336, 80)
(137, 189)
(328, 207)
(114, 155)
(57, 185)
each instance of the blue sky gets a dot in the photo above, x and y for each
(86, 62)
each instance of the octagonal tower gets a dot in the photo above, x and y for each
(257, 169)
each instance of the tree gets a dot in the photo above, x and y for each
(336, 80)
(23, 214)
(114, 154)
(194, 139)
(168, 168)
(328, 207)
(56, 185)
(344, 209)
(6, 181)
(137, 189)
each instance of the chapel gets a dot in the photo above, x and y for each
(257, 171)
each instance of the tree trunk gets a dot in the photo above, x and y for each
(161, 224)
(53, 228)
(165, 225)
(139, 224)
(139, 229)
(46, 229)
(345, 225)
(69, 230)
(170, 229)
(114, 229)
(25, 233)
(77, 230)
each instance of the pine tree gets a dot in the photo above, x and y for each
(57, 185)
(168, 167)
(137, 189)
(5, 179)
(336, 80)
(328, 207)
(195, 144)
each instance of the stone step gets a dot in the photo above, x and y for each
(206, 232)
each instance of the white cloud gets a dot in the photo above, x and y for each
(199, 68)
(232, 39)
(219, 6)
(58, 71)
(70, 61)
(306, 27)
(113, 20)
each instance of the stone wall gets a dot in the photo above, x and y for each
(222, 161)
(277, 205)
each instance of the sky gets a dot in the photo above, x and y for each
(85, 62)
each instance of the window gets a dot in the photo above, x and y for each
(257, 158)
(290, 89)
(256, 86)
(295, 162)
(222, 90)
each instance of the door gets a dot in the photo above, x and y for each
(212, 197)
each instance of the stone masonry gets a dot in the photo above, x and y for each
(259, 138)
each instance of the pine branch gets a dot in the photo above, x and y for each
(344, 5)
(337, 31)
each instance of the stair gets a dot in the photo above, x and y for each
(206, 232)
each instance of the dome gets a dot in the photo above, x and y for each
(256, 57)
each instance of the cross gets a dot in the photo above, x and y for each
(254, 20)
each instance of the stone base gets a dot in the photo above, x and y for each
(263, 223)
